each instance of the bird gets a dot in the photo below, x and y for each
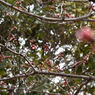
(85, 34)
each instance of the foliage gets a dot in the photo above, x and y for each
(50, 47)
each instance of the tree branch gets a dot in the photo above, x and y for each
(56, 20)
(49, 73)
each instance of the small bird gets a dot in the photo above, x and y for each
(85, 34)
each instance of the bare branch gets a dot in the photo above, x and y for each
(49, 73)
(67, 75)
(17, 76)
(56, 20)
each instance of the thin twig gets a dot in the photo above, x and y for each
(84, 83)
(17, 54)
